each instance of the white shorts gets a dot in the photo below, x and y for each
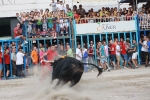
(134, 56)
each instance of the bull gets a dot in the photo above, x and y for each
(69, 69)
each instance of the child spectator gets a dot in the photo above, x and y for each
(57, 27)
(50, 22)
(43, 33)
(53, 32)
(65, 25)
(34, 35)
(44, 22)
(38, 33)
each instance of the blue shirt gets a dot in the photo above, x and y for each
(148, 46)
(102, 50)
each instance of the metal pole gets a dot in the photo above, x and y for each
(136, 7)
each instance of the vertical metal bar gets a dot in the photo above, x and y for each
(131, 38)
(118, 36)
(100, 37)
(4, 61)
(87, 41)
(44, 44)
(107, 38)
(112, 37)
(10, 63)
(134, 35)
(94, 40)
(39, 46)
(144, 32)
(137, 36)
(124, 36)
(64, 44)
(81, 37)
(75, 33)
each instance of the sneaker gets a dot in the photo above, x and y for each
(108, 70)
(125, 68)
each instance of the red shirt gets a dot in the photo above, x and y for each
(7, 58)
(0, 57)
(111, 47)
(123, 47)
(17, 32)
(91, 51)
(76, 16)
(51, 55)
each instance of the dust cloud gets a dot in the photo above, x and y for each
(123, 84)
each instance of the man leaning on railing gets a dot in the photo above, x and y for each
(18, 34)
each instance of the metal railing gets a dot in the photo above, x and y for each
(104, 19)
(144, 21)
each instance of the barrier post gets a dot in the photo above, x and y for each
(75, 33)
(131, 38)
(10, 63)
(137, 36)
(95, 49)
(4, 76)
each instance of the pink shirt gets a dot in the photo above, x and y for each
(41, 53)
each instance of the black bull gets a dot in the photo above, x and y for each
(69, 69)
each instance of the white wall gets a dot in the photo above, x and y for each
(10, 10)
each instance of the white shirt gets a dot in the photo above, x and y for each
(59, 7)
(19, 58)
(106, 50)
(143, 48)
(78, 51)
(117, 48)
(53, 5)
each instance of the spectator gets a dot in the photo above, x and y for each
(91, 56)
(7, 62)
(118, 54)
(34, 56)
(51, 53)
(18, 33)
(85, 57)
(135, 54)
(69, 51)
(62, 51)
(78, 53)
(81, 11)
(124, 53)
(144, 50)
(1, 65)
(19, 63)
(112, 53)
(13, 59)
(53, 5)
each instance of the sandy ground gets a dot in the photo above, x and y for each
(124, 84)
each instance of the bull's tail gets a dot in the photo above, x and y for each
(100, 70)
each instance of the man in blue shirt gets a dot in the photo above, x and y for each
(103, 57)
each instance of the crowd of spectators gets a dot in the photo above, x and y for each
(56, 22)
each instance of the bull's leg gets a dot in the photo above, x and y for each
(64, 82)
(75, 79)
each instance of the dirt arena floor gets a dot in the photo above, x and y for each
(123, 84)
